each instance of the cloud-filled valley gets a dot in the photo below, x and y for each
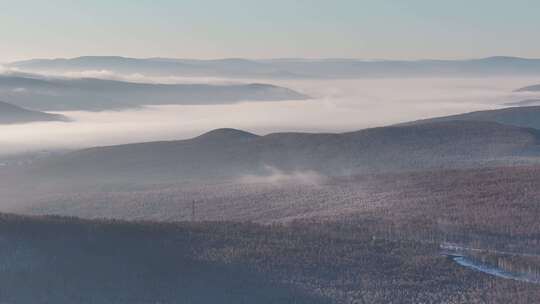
(334, 106)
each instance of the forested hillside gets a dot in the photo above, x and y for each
(66, 260)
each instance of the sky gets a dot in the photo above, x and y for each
(369, 29)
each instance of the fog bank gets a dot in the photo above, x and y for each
(337, 106)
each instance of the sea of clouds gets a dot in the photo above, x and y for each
(336, 106)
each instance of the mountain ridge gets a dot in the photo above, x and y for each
(532, 88)
(93, 94)
(12, 114)
(231, 154)
(291, 67)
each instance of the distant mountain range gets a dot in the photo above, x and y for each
(64, 94)
(11, 114)
(288, 68)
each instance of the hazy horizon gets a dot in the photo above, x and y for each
(248, 29)
(270, 58)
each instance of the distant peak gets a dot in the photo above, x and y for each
(503, 58)
(226, 134)
(261, 85)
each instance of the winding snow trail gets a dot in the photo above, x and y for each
(494, 271)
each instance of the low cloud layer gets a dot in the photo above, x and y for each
(338, 105)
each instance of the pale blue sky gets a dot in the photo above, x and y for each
(392, 29)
